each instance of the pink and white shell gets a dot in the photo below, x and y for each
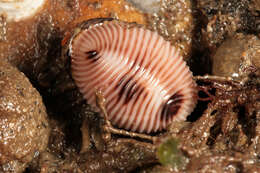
(145, 81)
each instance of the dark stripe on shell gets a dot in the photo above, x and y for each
(172, 106)
(92, 55)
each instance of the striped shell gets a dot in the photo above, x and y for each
(146, 83)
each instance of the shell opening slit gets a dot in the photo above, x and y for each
(146, 83)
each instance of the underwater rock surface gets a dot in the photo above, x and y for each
(24, 129)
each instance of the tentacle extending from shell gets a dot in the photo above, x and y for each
(19, 9)
(146, 83)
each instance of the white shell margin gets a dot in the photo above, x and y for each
(15, 10)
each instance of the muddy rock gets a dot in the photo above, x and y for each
(18, 39)
(122, 155)
(147, 6)
(174, 21)
(224, 18)
(237, 56)
(24, 128)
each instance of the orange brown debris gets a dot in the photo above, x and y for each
(118, 9)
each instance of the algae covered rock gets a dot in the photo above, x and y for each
(24, 128)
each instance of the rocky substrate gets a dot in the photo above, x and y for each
(220, 42)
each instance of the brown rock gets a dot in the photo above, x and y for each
(237, 56)
(24, 128)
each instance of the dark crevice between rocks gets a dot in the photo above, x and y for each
(232, 138)
(44, 66)
(198, 111)
(215, 130)
(144, 167)
(248, 123)
(200, 61)
(239, 168)
(201, 105)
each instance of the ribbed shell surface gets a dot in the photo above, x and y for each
(145, 82)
